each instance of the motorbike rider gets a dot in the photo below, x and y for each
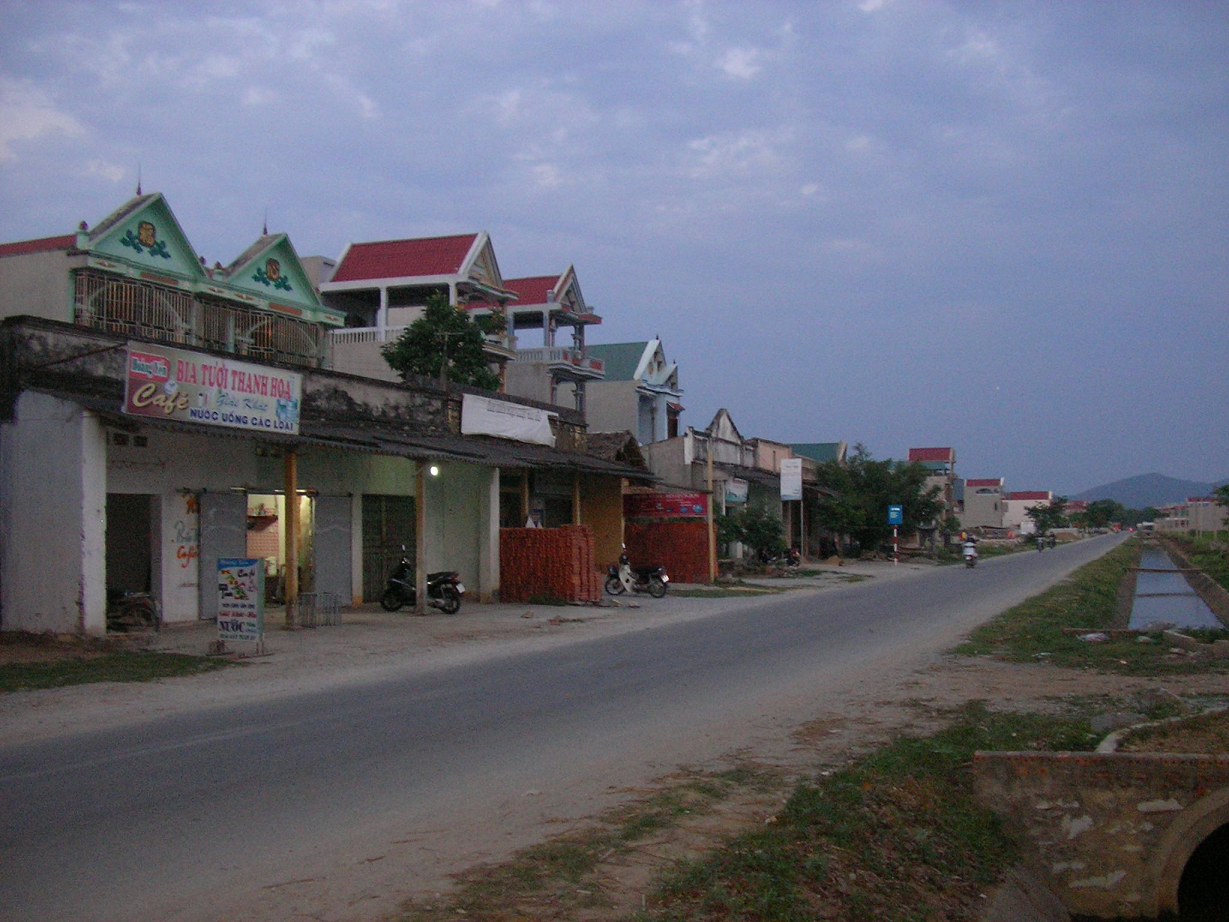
(970, 549)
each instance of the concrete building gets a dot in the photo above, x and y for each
(157, 418)
(1198, 514)
(983, 503)
(640, 392)
(1016, 506)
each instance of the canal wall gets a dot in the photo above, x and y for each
(1214, 595)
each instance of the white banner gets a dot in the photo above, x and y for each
(483, 416)
(791, 478)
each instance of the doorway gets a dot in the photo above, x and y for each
(129, 543)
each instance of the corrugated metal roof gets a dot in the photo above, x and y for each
(620, 360)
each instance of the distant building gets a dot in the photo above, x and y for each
(941, 463)
(1016, 506)
(640, 391)
(821, 452)
(983, 503)
(1198, 514)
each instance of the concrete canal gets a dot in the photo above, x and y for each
(1163, 596)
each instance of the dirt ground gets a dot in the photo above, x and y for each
(371, 642)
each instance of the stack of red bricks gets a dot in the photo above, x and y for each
(554, 563)
(679, 546)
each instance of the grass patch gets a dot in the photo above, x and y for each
(1048, 626)
(560, 877)
(1207, 553)
(737, 589)
(895, 837)
(81, 666)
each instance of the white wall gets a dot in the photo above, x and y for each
(52, 511)
(37, 284)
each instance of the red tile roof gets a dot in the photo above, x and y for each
(931, 454)
(37, 246)
(394, 259)
(1029, 494)
(985, 482)
(532, 290)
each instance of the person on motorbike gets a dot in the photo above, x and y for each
(970, 552)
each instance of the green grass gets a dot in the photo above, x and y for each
(894, 837)
(1208, 554)
(559, 877)
(115, 666)
(1049, 626)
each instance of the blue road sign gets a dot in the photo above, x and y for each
(896, 515)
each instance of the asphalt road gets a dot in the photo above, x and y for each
(288, 806)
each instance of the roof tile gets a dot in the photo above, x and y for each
(394, 259)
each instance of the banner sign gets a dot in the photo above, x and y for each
(736, 491)
(241, 598)
(665, 505)
(190, 387)
(896, 515)
(505, 420)
(791, 478)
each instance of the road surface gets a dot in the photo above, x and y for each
(327, 805)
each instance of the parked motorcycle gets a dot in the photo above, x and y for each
(622, 577)
(444, 589)
(787, 558)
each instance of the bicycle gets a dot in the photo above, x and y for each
(129, 610)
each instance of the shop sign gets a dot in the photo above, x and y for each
(190, 387)
(665, 505)
(735, 491)
(506, 420)
(241, 598)
(791, 479)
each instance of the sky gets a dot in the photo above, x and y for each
(1001, 227)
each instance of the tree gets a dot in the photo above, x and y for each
(865, 488)
(1048, 517)
(1103, 511)
(1221, 495)
(756, 528)
(443, 343)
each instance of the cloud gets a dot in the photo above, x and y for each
(27, 113)
(740, 63)
(736, 153)
(104, 170)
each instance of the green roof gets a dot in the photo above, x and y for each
(818, 451)
(619, 360)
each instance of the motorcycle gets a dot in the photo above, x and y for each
(444, 589)
(970, 556)
(787, 558)
(623, 578)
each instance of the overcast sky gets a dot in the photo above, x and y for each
(996, 226)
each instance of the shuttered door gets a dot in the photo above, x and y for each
(388, 523)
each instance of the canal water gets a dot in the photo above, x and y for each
(1166, 597)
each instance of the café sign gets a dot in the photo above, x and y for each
(190, 387)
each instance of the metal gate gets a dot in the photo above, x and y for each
(388, 523)
(332, 546)
(223, 534)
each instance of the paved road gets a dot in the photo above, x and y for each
(324, 803)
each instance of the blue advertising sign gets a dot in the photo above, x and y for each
(241, 598)
(896, 515)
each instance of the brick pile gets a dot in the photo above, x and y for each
(554, 563)
(680, 546)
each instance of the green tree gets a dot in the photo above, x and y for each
(865, 488)
(1221, 494)
(1101, 512)
(757, 529)
(443, 343)
(1050, 516)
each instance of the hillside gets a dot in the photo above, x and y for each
(1147, 490)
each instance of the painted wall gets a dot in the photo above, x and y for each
(612, 406)
(52, 518)
(37, 284)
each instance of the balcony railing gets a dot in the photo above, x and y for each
(562, 359)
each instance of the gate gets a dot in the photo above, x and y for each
(388, 523)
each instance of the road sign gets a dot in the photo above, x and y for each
(896, 515)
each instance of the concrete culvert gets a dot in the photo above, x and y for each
(1203, 892)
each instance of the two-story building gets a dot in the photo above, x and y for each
(983, 503)
(1016, 506)
(639, 393)
(158, 416)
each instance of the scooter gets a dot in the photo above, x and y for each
(444, 589)
(623, 578)
(787, 558)
(970, 556)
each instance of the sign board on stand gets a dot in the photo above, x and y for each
(896, 518)
(241, 601)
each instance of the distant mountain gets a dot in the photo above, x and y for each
(1148, 490)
